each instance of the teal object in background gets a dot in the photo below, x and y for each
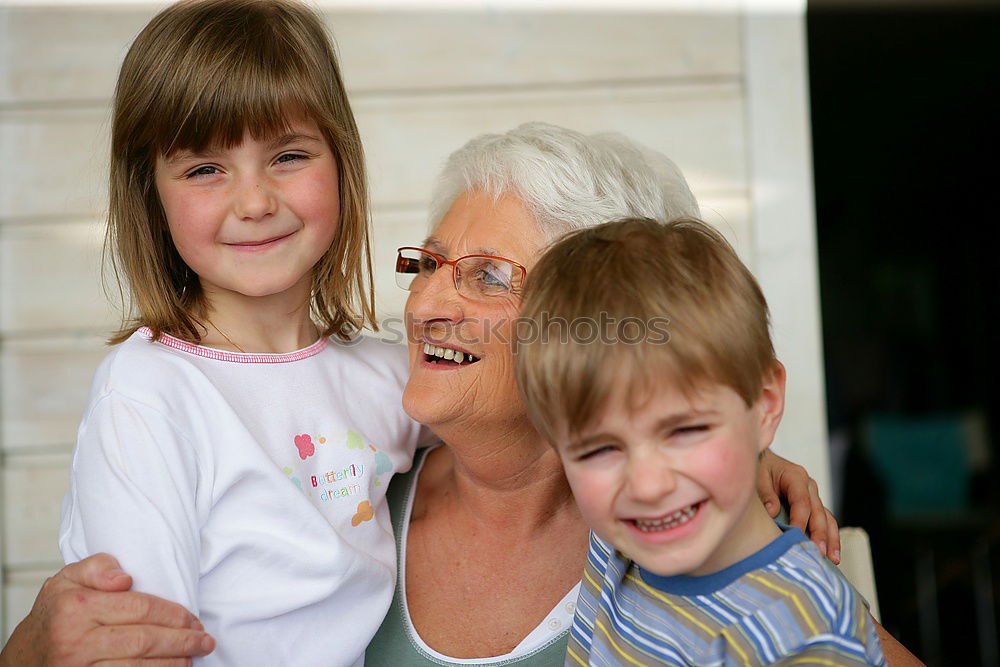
(923, 461)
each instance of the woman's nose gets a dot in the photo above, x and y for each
(255, 200)
(435, 298)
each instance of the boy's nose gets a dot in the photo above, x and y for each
(650, 479)
(255, 200)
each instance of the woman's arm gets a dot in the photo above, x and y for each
(85, 614)
(895, 653)
(776, 477)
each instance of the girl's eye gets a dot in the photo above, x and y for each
(291, 157)
(204, 170)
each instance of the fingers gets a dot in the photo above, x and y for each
(798, 511)
(70, 623)
(99, 608)
(100, 571)
(793, 482)
(832, 537)
(149, 641)
(87, 626)
(765, 489)
(817, 521)
(139, 609)
(154, 662)
(805, 509)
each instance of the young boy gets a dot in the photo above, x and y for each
(659, 401)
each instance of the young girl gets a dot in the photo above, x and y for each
(234, 424)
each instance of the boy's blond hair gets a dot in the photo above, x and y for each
(668, 301)
(201, 74)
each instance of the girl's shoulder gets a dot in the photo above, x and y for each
(375, 355)
(138, 364)
(136, 350)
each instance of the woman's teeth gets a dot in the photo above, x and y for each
(448, 354)
(670, 521)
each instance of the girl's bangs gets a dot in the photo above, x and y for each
(223, 116)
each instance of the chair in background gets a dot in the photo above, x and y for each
(926, 462)
(856, 565)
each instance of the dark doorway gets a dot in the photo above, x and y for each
(906, 120)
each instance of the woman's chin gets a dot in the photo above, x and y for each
(422, 406)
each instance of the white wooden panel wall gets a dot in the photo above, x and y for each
(422, 83)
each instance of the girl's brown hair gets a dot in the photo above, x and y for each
(661, 302)
(201, 74)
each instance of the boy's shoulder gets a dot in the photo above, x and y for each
(788, 576)
(788, 571)
(783, 600)
(792, 552)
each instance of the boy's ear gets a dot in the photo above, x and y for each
(771, 404)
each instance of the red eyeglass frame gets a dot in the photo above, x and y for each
(516, 283)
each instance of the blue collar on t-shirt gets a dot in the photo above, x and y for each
(710, 583)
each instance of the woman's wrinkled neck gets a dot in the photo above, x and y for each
(507, 472)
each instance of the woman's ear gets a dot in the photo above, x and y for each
(771, 404)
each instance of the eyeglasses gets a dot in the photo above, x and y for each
(477, 277)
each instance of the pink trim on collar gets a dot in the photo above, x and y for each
(235, 357)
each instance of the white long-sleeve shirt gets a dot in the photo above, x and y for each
(249, 488)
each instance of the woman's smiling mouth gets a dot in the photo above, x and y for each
(447, 356)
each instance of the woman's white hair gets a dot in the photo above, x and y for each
(566, 179)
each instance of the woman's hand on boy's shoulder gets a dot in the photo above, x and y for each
(779, 477)
(85, 614)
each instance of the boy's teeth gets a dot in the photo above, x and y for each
(448, 354)
(670, 521)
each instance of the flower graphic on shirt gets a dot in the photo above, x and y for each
(365, 513)
(288, 471)
(382, 463)
(305, 446)
(354, 441)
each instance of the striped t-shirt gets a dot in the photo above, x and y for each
(784, 604)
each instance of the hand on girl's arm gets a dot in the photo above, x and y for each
(776, 477)
(85, 614)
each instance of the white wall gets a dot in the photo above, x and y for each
(721, 92)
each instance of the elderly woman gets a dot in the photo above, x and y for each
(491, 544)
